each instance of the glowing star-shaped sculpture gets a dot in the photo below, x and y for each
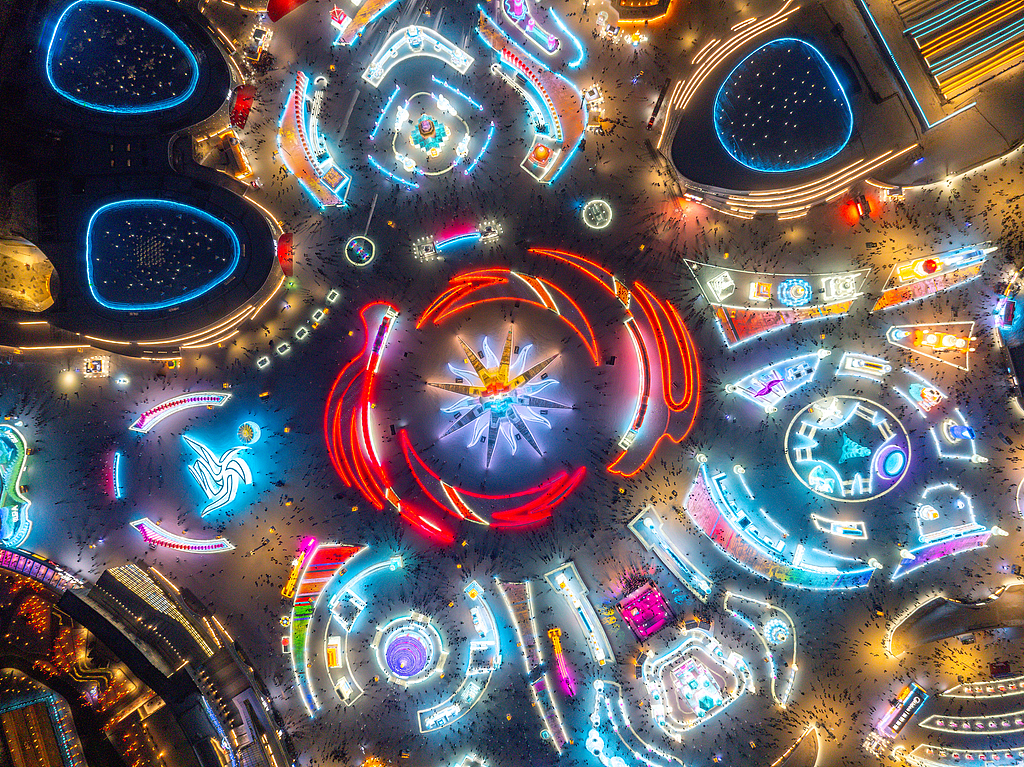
(503, 398)
(220, 478)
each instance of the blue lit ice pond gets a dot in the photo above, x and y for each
(143, 255)
(783, 109)
(111, 57)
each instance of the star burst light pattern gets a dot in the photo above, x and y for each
(500, 396)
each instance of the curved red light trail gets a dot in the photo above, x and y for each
(661, 415)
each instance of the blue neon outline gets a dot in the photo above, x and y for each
(839, 85)
(118, 486)
(143, 202)
(561, 25)
(554, 117)
(458, 240)
(389, 174)
(148, 18)
(568, 159)
(383, 111)
(456, 91)
(487, 143)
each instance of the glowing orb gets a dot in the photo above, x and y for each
(249, 433)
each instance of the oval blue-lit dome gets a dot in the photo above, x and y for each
(143, 255)
(893, 464)
(111, 57)
(783, 109)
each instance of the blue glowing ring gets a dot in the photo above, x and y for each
(815, 161)
(211, 284)
(156, 106)
(890, 462)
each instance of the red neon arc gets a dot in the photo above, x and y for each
(458, 285)
(347, 432)
(463, 291)
(651, 310)
(596, 272)
(548, 494)
(684, 348)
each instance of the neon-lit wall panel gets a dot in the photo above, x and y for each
(15, 524)
(925, 276)
(749, 304)
(703, 510)
(155, 535)
(934, 551)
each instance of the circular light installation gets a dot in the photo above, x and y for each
(406, 654)
(661, 409)
(776, 631)
(847, 448)
(249, 433)
(783, 109)
(409, 649)
(360, 250)
(597, 214)
(795, 292)
(889, 462)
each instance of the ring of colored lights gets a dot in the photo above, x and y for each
(409, 649)
(795, 292)
(406, 654)
(360, 250)
(847, 448)
(597, 214)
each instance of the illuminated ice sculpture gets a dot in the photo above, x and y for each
(220, 478)
(501, 397)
